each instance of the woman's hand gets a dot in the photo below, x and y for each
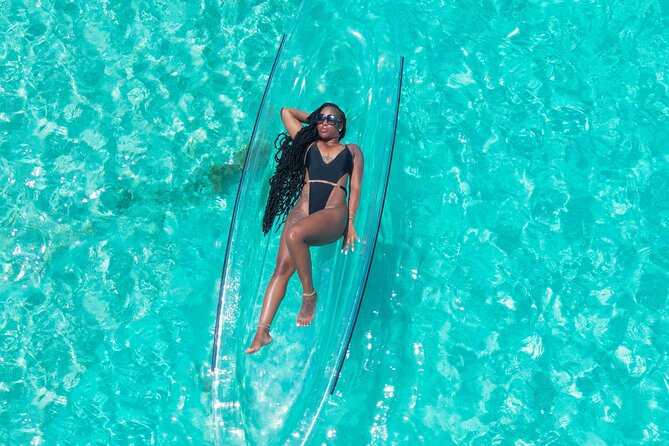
(350, 236)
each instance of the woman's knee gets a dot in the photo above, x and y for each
(294, 235)
(284, 268)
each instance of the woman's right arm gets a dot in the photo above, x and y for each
(292, 119)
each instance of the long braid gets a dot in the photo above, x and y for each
(288, 179)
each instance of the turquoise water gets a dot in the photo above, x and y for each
(519, 289)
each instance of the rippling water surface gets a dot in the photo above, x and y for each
(519, 290)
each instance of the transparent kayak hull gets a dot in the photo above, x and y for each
(342, 54)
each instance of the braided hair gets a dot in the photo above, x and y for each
(288, 179)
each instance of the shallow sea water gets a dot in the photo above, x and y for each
(519, 290)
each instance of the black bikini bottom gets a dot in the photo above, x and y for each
(319, 194)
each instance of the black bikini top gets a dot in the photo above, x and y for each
(332, 172)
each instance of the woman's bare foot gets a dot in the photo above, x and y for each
(306, 314)
(261, 339)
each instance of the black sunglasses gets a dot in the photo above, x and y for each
(319, 117)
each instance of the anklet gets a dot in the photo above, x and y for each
(309, 295)
(264, 326)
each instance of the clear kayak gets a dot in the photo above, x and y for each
(337, 53)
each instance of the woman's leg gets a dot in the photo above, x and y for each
(320, 228)
(274, 294)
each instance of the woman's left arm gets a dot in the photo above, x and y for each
(350, 236)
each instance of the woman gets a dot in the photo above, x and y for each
(309, 188)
